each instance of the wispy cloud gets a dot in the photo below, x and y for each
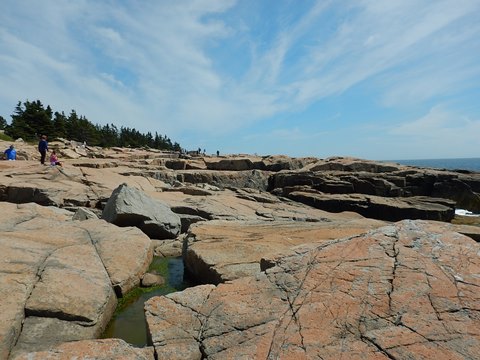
(206, 67)
(441, 133)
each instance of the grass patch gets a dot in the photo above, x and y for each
(5, 137)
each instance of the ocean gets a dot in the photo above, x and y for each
(472, 164)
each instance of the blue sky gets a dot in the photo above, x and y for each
(370, 79)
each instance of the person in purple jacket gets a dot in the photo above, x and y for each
(43, 148)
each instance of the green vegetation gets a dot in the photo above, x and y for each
(30, 120)
(5, 137)
(132, 296)
(159, 266)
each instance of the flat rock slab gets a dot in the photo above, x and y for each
(72, 285)
(57, 275)
(105, 349)
(403, 291)
(377, 207)
(227, 205)
(126, 253)
(218, 251)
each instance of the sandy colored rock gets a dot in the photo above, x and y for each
(105, 349)
(73, 285)
(404, 291)
(60, 274)
(168, 248)
(84, 214)
(150, 279)
(126, 253)
(218, 251)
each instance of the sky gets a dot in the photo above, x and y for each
(380, 80)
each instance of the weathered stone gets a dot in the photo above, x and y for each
(168, 248)
(404, 291)
(171, 339)
(150, 279)
(256, 195)
(176, 164)
(219, 251)
(128, 206)
(73, 285)
(14, 291)
(255, 179)
(105, 349)
(57, 278)
(84, 214)
(376, 207)
(41, 333)
(226, 205)
(126, 253)
(191, 190)
(188, 220)
(235, 164)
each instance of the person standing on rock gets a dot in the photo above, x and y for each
(43, 148)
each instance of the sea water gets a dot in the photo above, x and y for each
(472, 164)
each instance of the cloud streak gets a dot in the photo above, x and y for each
(212, 68)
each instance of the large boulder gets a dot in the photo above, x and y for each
(128, 206)
(404, 291)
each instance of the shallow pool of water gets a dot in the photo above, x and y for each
(129, 323)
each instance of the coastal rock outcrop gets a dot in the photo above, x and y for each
(383, 191)
(219, 251)
(105, 349)
(407, 290)
(287, 279)
(57, 276)
(377, 207)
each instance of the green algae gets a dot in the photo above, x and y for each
(128, 322)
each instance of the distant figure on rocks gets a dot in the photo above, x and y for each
(11, 153)
(218, 153)
(43, 148)
(54, 159)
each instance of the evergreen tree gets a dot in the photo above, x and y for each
(60, 125)
(19, 128)
(3, 123)
(31, 120)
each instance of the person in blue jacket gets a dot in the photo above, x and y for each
(11, 153)
(43, 148)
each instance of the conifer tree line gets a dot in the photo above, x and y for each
(30, 120)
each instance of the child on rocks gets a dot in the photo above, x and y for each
(54, 159)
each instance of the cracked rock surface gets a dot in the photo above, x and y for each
(409, 290)
(57, 276)
(218, 251)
